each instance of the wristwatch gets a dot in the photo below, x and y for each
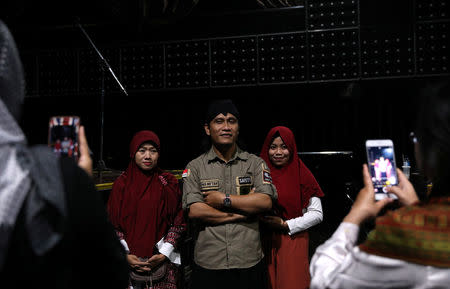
(227, 201)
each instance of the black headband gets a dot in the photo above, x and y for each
(223, 106)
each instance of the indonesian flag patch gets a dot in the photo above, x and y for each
(186, 173)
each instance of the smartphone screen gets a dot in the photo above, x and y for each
(381, 162)
(63, 135)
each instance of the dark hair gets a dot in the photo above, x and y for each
(219, 106)
(275, 135)
(433, 134)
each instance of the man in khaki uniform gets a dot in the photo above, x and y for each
(223, 190)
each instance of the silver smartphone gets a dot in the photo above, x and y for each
(382, 168)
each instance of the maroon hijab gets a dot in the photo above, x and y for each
(294, 182)
(143, 204)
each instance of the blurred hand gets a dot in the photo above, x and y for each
(136, 264)
(365, 206)
(155, 260)
(238, 217)
(214, 199)
(404, 190)
(275, 222)
(85, 161)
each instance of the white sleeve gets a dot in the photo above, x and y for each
(168, 250)
(125, 246)
(312, 216)
(330, 255)
(338, 263)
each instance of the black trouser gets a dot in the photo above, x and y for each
(248, 278)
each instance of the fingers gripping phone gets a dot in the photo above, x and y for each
(63, 135)
(382, 168)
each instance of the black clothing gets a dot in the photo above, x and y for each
(89, 255)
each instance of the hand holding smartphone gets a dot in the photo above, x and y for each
(63, 136)
(382, 168)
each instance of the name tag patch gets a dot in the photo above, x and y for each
(244, 185)
(243, 180)
(207, 185)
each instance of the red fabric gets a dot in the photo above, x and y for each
(294, 182)
(143, 204)
(287, 261)
(141, 137)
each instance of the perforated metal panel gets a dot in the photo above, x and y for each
(433, 48)
(233, 61)
(332, 46)
(30, 66)
(388, 56)
(432, 9)
(57, 74)
(143, 67)
(326, 14)
(334, 54)
(187, 64)
(282, 58)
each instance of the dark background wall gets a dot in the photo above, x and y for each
(391, 48)
(322, 118)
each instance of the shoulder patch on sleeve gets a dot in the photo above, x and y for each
(186, 173)
(266, 177)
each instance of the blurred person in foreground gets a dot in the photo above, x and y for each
(410, 246)
(53, 224)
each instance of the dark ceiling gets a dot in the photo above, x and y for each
(50, 23)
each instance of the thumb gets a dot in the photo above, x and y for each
(401, 176)
(84, 148)
(395, 190)
(367, 178)
(382, 203)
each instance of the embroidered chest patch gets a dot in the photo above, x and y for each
(207, 185)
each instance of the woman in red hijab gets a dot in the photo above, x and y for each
(145, 208)
(298, 208)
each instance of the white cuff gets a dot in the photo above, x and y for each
(291, 225)
(125, 246)
(168, 250)
(312, 215)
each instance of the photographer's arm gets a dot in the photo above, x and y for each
(339, 263)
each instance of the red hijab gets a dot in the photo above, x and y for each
(294, 182)
(143, 204)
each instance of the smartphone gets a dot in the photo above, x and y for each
(63, 136)
(382, 168)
